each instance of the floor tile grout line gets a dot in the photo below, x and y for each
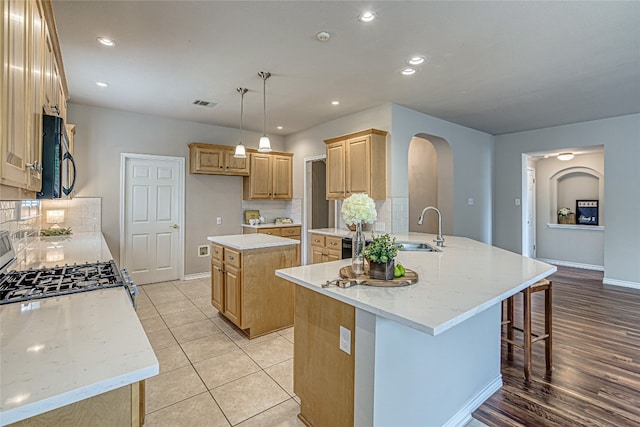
(191, 363)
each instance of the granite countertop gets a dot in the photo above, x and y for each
(463, 279)
(59, 350)
(272, 225)
(75, 248)
(252, 241)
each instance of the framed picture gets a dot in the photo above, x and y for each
(587, 212)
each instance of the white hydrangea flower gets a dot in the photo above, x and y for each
(359, 208)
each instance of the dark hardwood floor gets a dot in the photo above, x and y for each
(596, 356)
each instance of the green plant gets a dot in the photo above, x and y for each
(55, 232)
(381, 249)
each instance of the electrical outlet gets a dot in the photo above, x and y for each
(219, 220)
(470, 201)
(517, 202)
(345, 340)
(203, 250)
(379, 226)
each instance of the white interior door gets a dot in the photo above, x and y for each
(531, 213)
(153, 206)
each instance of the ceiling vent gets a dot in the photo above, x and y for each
(202, 103)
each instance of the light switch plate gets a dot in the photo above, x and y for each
(470, 201)
(345, 340)
(219, 220)
(517, 202)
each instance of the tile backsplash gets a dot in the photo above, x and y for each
(24, 219)
(272, 209)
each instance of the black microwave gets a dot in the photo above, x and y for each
(58, 179)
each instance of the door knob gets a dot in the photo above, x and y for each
(175, 226)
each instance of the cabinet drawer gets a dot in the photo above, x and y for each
(317, 240)
(290, 231)
(270, 231)
(334, 243)
(216, 252)
(232, 257)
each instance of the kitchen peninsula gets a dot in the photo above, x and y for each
(426, 354)
(78, 359)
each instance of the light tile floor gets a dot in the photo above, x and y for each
(210, 374)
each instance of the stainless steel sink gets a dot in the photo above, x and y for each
(417, 247)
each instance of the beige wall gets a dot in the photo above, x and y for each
(423, 184)
(103, 134)
(579, 246)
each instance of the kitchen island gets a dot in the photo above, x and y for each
(426, 354)
(78, 359)
(244, 288)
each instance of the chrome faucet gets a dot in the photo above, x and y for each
(439, 239)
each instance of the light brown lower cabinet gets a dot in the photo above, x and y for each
(245, 289)
(292, 232)
(325, 248)
(122, 407)
(323, 375)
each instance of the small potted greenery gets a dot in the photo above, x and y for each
(566, 216)
(381, 253)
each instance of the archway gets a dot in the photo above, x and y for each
(430, 176)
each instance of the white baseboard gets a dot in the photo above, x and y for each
(197, 276)
(463, 416)
(572, 264)
(623, 283)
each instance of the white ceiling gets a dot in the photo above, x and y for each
(498, 67)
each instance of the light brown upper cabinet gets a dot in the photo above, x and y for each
(32, 64)
(356, 163)
(270, 177)
(213, 159)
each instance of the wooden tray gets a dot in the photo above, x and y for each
(410, 277)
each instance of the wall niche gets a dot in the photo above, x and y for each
(575, 183)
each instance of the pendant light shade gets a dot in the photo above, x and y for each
(240, 151)
(264, 146)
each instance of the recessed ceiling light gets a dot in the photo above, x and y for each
(416, 60)
(279, 127)
(106, 42)
(335, 102)
(102, 84)
(367, 16)
(408, 71)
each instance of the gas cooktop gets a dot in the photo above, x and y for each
(17, 286)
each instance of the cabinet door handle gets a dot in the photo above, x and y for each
(231, 258)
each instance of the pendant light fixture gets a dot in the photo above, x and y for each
(241, 153)
(264, 145)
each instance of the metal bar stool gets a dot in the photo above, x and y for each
(528, 338)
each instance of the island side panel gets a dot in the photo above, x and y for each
(268, 300)
(422, 379)
(323, 375)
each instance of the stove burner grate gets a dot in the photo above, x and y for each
(17, 286)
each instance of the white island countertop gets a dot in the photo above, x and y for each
(462, 280)
(272, 225)
(243, 242)
(60, 350)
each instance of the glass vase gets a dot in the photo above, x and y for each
(357, 248)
